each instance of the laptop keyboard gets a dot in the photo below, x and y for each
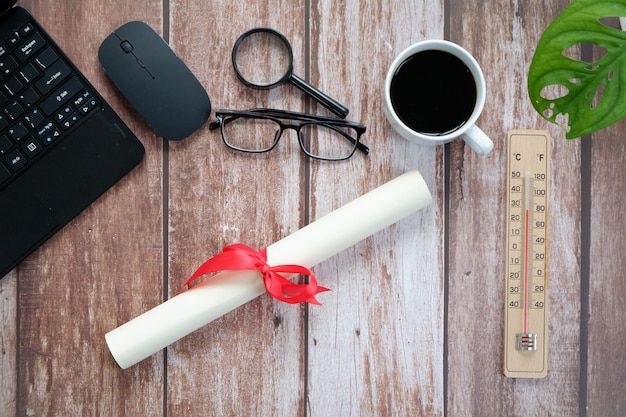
(41, 100)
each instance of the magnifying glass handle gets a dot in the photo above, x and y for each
(332, 105)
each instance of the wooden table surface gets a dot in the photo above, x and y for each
(414, 323)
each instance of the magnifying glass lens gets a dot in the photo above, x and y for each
(262, 59)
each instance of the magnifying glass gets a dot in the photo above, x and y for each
(263, 58)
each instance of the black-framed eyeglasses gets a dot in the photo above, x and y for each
(259, 130)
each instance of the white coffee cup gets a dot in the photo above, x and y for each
(399, 113)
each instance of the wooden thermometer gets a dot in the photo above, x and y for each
(528, 202)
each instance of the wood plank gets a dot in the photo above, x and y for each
(8, 344)
(606, 361)
(375, 347)
(89, 278)
(503, 44)
(251, 361)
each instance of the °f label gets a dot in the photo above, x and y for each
(526, 301)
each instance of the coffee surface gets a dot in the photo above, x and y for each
(433, 92)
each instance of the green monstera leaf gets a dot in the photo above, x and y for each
(591, 94)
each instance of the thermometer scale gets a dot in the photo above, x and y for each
(526, 305)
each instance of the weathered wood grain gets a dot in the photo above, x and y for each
(606, 360)
(101, 270)
(251, 361)
(503, 43)
(375, 347)
(8, 344)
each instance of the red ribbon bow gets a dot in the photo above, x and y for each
(241, 257)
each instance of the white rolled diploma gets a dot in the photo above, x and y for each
(181, 315)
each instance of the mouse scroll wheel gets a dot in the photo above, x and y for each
(126, 47)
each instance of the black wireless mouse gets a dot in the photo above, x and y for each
(155, 80)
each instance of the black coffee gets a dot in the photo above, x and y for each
(433, 92)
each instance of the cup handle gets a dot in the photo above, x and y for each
(478, 140)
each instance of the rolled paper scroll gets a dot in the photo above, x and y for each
(226, 290)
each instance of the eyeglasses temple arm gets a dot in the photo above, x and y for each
(360, 146)
(219, 122)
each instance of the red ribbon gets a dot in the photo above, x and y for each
(241, 257)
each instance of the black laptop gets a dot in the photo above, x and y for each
(61, 145)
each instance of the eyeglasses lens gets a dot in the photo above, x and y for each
(328, 142)
(250, 134)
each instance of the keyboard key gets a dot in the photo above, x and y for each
(33, 119)
(18, 132)
(3, 51)
(88, 106)
(15, 160)
(63, 113)
(51, 137)
(14, 110)
(29, 97)
(46, 58)
(45, 129)
(26, 30)
(30, 47)
(3, 122)
(69, 121)
(14, 40)
(13, 86)
(61, 96)
(8, 65)
(29, 73)
(31, 147)
(53, 77)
